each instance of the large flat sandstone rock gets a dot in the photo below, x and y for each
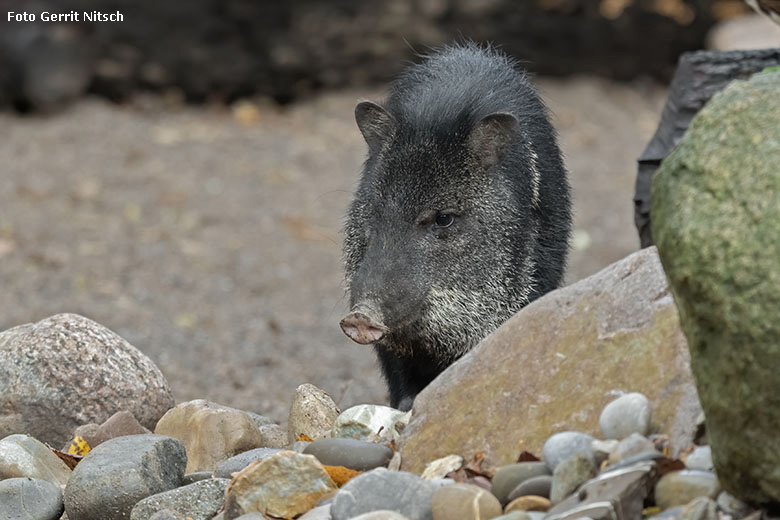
(556, 364)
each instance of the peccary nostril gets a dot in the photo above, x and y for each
(361, 328)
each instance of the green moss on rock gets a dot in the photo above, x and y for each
(716, 222)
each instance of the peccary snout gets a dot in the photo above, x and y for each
(363, 325)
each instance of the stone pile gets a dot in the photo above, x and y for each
(215, 463)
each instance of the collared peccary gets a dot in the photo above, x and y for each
(462, 215)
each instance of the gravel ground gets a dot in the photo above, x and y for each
(209, 237)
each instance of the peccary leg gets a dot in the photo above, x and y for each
(406, 375)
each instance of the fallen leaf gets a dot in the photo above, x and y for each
(69, 459)
(527, 456)
(78, 446)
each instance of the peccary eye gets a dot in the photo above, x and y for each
(444, 220)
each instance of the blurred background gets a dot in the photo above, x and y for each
(181, 176)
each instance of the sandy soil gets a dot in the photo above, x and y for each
(209, 237)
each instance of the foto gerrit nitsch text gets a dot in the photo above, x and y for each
(71, 16)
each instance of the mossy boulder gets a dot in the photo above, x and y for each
(716, 222)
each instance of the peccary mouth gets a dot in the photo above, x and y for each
(362, 326)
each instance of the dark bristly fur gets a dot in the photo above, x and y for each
(463, 135)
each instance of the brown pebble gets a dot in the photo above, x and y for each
(464, 502)
(528, 503)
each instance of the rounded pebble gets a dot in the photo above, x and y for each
(378, 489)
(625, 415)
(30, 499)
(701, 459)
(508, 477)
(528, 503)
(563, 445)
(634, 444)
(539, 486)
(119, 473)
(680, 487)
(226, 468)
(350, 453)
(318, 513)
(382, 514)
(464, 502)
(165, 514)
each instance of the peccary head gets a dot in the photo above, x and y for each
(439, 240)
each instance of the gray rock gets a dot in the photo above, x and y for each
(622, 491)
(680, 487)
(539, 486)
(260, 420)
(464, 502)
(312, 413)
(24, 456)
(167, 514)
(238, 462)
(702, 508)
(570, 475)
(350, 453)
(29, 499)
(563, 445)
(700, 458)
(318, 513)
(397, 491)
(732, 506)
(369, 422)
(516, 515)
(48, 391)
(299, 446)
(625, 415)
(113, 477)
(274, 436)
(716, 220)
(382, 514)
(200, 501)
(510, 476)
(191, 478)
(632, 445)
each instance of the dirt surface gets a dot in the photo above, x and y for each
(209, 237)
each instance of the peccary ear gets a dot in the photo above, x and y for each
(491, 137)
(375, 124)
